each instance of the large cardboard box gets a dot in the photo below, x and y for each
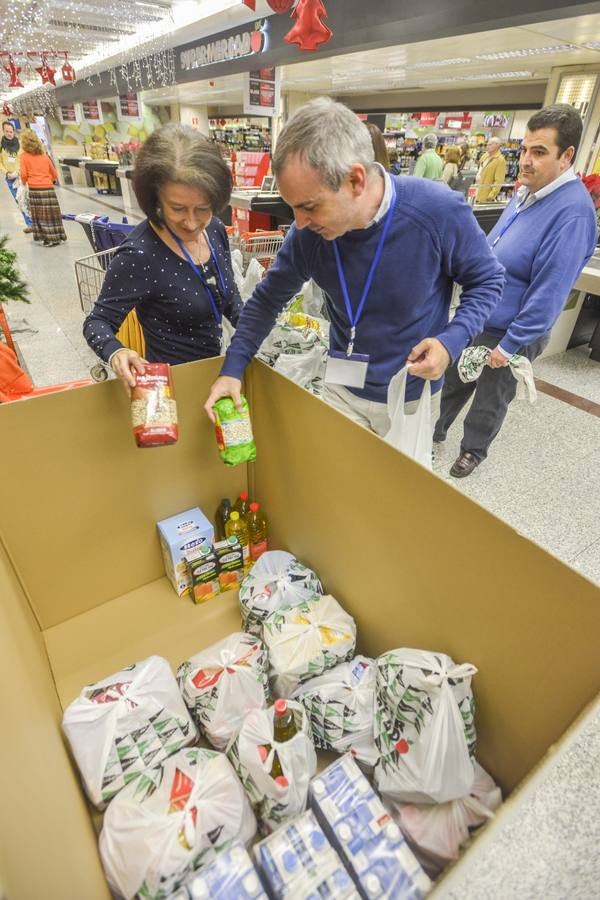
(84, 592)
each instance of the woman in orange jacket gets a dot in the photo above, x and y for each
(38, 172)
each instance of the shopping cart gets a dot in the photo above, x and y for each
(90, 272)
(260, 245)
(100, 231)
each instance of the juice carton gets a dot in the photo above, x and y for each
(230, 558)
(230, 877)
(203, 568)
(370, 843)
(297, 862)
(179, 535)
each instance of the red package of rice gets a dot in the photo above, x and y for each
(153, 407)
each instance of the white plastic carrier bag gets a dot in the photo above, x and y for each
(340, 705)
(171, 821)
(126, 723)
(277, 579)
(303, 641)
(424, 727)
(436, 832)
(411, 434)
(306, 369)
(221, 684)
(252, 753)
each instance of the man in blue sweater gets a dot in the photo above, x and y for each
(385, 250)
(543, 238)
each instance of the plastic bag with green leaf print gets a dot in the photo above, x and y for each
(424, 727)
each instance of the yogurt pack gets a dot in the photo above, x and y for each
(370, 843)
(297, 862)
(230, 877)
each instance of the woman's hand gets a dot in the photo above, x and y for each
(126, 364)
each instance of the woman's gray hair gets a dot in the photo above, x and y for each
(430, 141)
(329, 137)
(180, 154)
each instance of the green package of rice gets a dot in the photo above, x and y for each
(234, 432)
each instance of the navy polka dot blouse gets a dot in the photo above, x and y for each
(171, 303)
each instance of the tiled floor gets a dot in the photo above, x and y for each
(543, 471)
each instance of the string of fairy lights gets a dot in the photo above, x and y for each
(44, 41)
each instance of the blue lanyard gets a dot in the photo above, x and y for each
(354, 317)
(213, 302)
(509, 221)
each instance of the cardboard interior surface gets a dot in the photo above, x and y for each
(413, 560)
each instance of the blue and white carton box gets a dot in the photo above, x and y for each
(230, 877)
(368, 840)
(297, 862)
(178, 535)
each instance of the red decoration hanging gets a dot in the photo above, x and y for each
(251, 4)
(67, 71)
(13, 71)
(309, 32)
(280, 6)
(45, 71)
(6, 110)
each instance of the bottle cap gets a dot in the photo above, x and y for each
(254, 507)
(234, 516)
(244, 495)
(251, 884)
(226, 501)
(282, 781)
(280, 707)
(392, 832)
(372, 885)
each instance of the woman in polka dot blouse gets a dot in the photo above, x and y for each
(179, 180)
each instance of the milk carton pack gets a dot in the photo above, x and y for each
(297, 862)
(370, 843)
(230, 877)
(179, 535)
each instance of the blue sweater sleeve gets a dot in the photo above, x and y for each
(284, 279)
(469, 261)
(555, 269)
(121, 292)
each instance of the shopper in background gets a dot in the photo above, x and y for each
(543, 239)
(9, 164)
(379, 148)
(451, 164)
(395, 165)
(429, 164)
(465, 155)
(492, 172)
(37, 171)
(384, 249)
(174, 269)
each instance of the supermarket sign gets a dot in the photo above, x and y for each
(226, 49)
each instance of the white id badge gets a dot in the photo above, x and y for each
(349, 371)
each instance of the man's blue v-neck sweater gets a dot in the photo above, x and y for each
(544, 249)
(433, 240)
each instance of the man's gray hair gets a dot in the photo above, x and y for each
(430, 141)
(329, 137)
(495, 140)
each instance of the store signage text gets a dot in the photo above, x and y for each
(237, 46)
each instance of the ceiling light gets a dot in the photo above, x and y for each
(530, 51)
(476, 76)
(591, 45)
(454, 61)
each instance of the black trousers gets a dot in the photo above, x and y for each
(494, 390)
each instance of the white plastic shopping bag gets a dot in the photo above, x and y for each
(437, 831)
(277, 579)
(222, 683)
(424, 727)
(237, 264)
(171, 821)
(303, 641)
(411, 434)
(340, 705)
(252, 752)
(254, 274)
(126, 723)
(306, 369)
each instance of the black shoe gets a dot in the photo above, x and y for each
(464, 465)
